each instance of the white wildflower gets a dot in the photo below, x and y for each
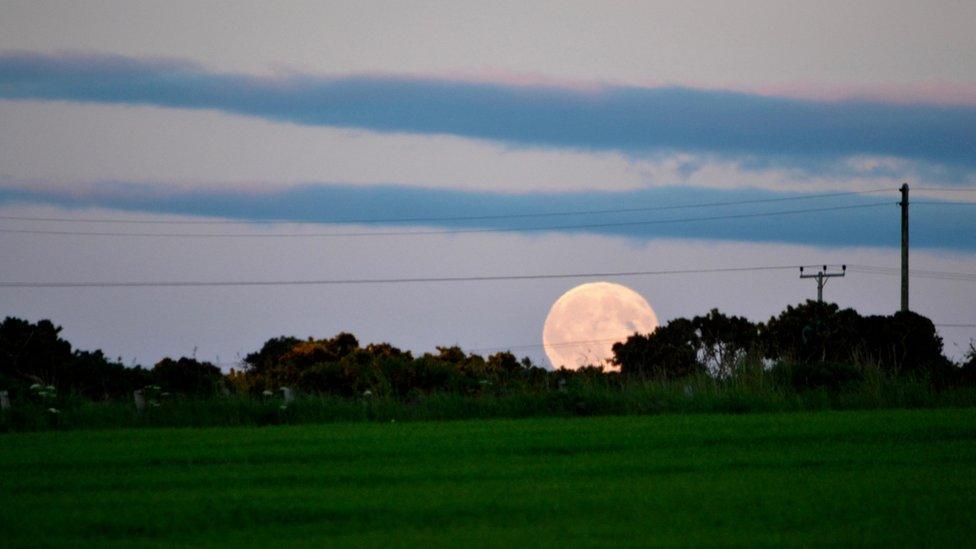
(35, 386)
(367, 393)
(54, 410)
(267, 392)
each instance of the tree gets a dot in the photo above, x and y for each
(903, 343)
(94, 376)
(724, 341)
(812, 332)
(187, 376)
(270, 354)
(35, 353)
(968, 370)
(669, 352)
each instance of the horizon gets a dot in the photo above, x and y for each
(253, 144)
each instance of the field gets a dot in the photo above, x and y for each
(867, 477)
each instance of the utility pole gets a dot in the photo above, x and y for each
(904, 247)
(822, 275)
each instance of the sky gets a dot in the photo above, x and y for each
(255, 141)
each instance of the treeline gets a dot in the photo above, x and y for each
(809, 346)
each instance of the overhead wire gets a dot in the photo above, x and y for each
(539, 345)
(441, 279)
(364, 221)
(447, 231)
(946, 189)
(865, 269)
(938, 203)
(914, 273)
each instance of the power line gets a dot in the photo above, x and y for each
(539, 345)
(955, 325)
(946, 189)
(917, 273)
(938, 203)
(162, 284)
(867, 269)
(447, 231)
(448, 218)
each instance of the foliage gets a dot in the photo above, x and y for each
(669, 352)
(968, 370)
(812, 346)
(724, 342)
(187, 376)
(817, 375)
(35, 353)
(812, 332)
(905, 343)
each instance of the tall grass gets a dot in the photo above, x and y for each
(584, 397)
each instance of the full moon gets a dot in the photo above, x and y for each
(586, 321)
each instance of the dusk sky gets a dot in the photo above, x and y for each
(299, 142)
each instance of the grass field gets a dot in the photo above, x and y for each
(584, 398)
(863, 478)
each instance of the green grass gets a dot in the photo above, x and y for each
(695, 396)
(848, 478)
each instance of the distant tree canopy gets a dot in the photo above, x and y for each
(812, 333)
(35, 353)
(902, 343)
(808, 345)
(671, 351)
(339, 365)
(969, 366)
(187, 376)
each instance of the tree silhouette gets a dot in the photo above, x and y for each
(724, 341)
(187, 376)
(669, 352)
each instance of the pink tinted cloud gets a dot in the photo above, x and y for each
(931, 93)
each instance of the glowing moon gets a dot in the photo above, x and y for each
(586, 321)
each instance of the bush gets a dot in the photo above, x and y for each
(670, 352)
(803, 376)
(187, 376)
(812, 332)
(35, 353)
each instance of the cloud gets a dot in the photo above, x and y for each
(631, 120)
(947, 227)
(55, 143)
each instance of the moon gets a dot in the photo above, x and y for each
(585, 322)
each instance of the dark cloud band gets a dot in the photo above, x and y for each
(950, 227)
(626, 119)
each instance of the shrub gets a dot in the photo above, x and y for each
(812, 332)
(669, 352)
(187, 376)
(35, 353)
(817, 375)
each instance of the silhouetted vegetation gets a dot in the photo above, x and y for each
(35, 354)
(187, 376)
(815, 348)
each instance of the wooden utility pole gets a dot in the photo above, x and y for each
(904, 247)
(822, 275)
